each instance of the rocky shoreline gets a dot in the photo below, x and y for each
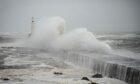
(47, 76)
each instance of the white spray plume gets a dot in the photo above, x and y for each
(51, 35)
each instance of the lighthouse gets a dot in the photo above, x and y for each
(32, 27)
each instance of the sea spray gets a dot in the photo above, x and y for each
(51, 35)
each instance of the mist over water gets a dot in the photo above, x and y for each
(105, 54)
(110, 48)
(52, 34)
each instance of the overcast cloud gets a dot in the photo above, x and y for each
(95, 15)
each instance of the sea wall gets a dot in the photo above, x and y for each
(122, 68)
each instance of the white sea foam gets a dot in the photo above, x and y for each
(51, 34)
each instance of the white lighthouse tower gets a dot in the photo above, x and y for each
(32, 27)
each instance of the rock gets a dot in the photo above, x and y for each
(97, 76)
(93, 83)
(5, 79)
(85, 78)
(58, 73)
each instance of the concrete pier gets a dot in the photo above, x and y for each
(122, 68)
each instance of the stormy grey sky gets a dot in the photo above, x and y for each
(95, 15)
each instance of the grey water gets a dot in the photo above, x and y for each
(128, 65)
(126, 41)
(123, 65)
